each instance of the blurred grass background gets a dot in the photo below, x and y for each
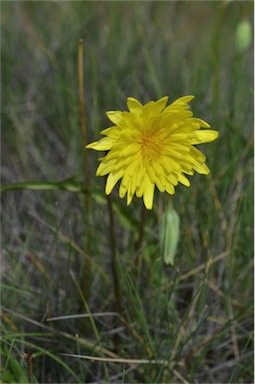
(197, 315)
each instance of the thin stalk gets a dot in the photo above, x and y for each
(116, 285)
(87, 268)
(216, 45)
(139, 243)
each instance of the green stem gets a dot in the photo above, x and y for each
(139, 243)
(116, 285)
(87, 267)
(216, 45)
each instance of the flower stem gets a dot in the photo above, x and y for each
(116, 285)
(216, 45)
(139, 243)
(87, 268)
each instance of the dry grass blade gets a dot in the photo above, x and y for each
(118, 359)
(83, 315)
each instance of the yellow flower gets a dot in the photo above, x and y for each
(152, 145)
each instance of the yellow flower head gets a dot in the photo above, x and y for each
(152, 145)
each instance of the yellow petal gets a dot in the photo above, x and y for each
(200, 122)
(180, 147)
(197, 155)
(151, 173)
(179, 136)
(134, 105)
(159, 184)
(130, 196)
(183, 179)
(158, 168)
(140, 182)
(133, 182)
(112, 132)
(172, 179)
(132, 167)
(112, 179)
(188, 172)
(148, 194)
(102, 145)
(201, 168)
(122, 190)
(170, 189)
(160, 104)
(115, 116)
(169, 163)
(130, 149)
(92, 145)
(105, 168)
(181, 102)
(204, 136)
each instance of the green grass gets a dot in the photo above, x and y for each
(190, 323)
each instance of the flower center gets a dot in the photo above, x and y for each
(150, 147)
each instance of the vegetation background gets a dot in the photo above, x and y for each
(190, 323)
